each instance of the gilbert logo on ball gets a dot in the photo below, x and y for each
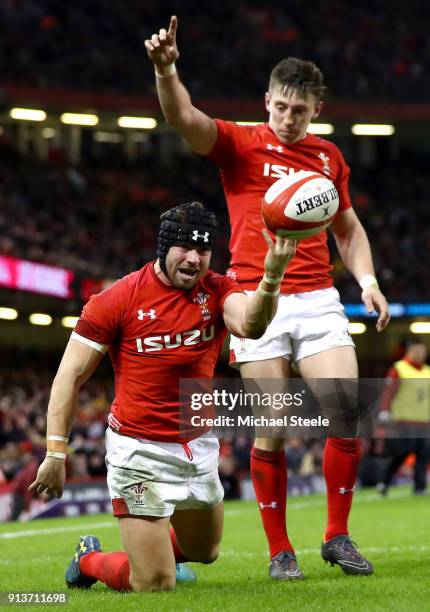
(300, 204)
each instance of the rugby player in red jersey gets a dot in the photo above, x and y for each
(164, 322)
(310, 327)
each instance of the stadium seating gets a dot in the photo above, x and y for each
(54, 212)
(367, 52)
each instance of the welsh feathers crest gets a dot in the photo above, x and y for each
(202, 300)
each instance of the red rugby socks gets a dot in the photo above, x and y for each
(111, 568)
(179, 555)
(114, 569)
(269, 477)
(340, 467)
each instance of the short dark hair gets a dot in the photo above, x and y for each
(412, 340)
(298, 74)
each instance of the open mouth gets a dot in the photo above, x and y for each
(188, 272)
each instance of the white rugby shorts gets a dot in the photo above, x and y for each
(148, 478)
(305, 324)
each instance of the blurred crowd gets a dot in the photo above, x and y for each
(25, 384)
(303, 458)
(101, 218)
(391, 198)
(368, 50)
(56, 213)
(24, 393)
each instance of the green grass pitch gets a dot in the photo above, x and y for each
(394, 533)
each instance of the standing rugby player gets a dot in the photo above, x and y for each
(310, 328)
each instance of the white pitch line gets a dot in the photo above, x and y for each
(317, 551)
(293, 505)
(35, 532)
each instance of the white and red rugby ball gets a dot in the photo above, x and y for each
(300, 204)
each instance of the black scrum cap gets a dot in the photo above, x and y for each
(185, 225)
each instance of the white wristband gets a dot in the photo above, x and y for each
(272, 280)
(268, 293)
(168, 70)
(54, 455)
(58, 438)
(368, 280)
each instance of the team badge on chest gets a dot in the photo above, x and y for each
(202, 300)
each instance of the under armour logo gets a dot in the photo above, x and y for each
(196, 236)
(277, 148)
(272, 505)
(326, 213)
(343, 490)
(150, 313)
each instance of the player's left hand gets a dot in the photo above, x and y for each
(373, 299)
(278, 255)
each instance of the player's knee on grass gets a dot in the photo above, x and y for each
(158, 580)
(207, 556)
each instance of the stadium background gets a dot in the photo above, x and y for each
(85, 199)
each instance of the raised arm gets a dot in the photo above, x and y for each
(247, 316)
(196, 127)
(354, 248)
(78, 363)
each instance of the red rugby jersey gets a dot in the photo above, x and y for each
(250, 159)
(156, 335)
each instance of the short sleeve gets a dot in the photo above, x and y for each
(102, 316)
(230, 140)
(224, 287)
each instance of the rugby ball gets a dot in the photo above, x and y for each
(300, 204)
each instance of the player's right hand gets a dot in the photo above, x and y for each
(50, 478)
(279, 254)
(161, 48)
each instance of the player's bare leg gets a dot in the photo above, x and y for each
(340, 361)
(340, 466)
(147, 543)
(277, 368)
(269, 477)
(199, 532)
(153, 552)
(148, 563)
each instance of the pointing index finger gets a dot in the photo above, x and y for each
(173, 26)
